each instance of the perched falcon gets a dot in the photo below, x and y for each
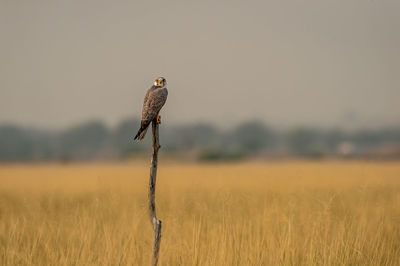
(154, 100)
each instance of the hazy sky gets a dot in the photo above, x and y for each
(285, 62)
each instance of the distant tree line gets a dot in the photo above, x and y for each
(95, 141)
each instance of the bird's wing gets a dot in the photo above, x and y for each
(146, 97)
(146, 103)
(154, 101)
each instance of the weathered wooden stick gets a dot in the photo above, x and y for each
(152, 191)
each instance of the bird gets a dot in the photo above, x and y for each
(154, 100)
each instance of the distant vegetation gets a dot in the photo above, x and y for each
(93, 141)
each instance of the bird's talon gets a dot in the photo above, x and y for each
(158, 119)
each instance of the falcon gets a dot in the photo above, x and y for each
(154, 100)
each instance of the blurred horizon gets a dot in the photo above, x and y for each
(221, 127)
(330, 64)
(95, 141)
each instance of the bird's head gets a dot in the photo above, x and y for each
(161, 82)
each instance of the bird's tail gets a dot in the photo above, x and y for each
(142, 131)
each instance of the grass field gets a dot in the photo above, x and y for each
(276, 213)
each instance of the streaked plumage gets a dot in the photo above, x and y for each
(154, 100)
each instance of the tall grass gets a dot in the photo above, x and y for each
(282, 213)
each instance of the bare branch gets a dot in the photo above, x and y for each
(152, 190)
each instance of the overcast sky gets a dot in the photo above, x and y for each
(327, 63)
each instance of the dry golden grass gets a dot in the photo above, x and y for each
(281, 213)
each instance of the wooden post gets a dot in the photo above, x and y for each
(152, 191)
